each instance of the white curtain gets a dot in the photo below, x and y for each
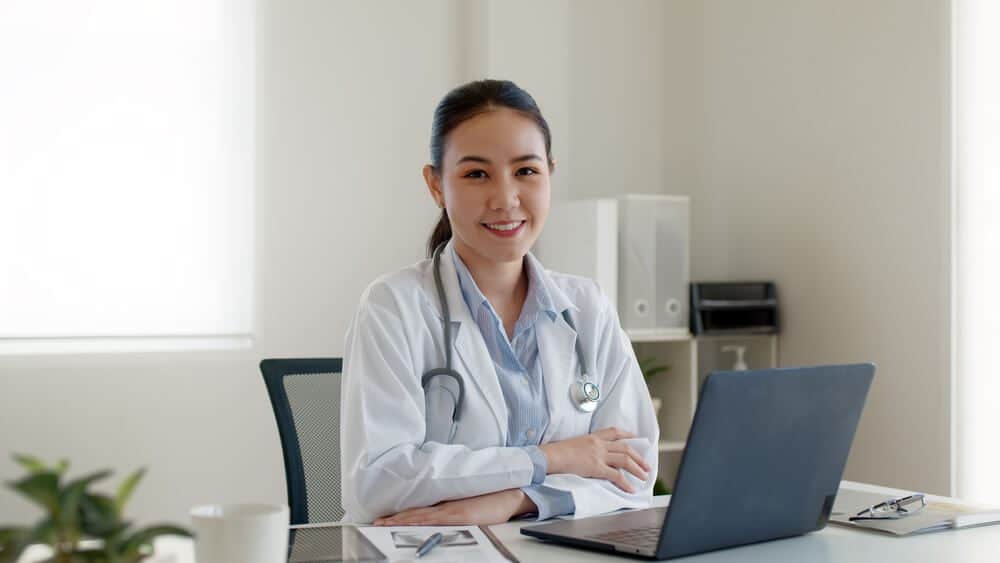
(976, 32)
(126, 169)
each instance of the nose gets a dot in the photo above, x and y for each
(505, 195)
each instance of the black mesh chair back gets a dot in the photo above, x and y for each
(305, 395)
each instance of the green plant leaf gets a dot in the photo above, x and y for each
(10, 532)
(43, 532)
(71, 496)
(40, 488)
(649, 367)
(126, 488)
(93, 555)
(134, 544)
(30, 463)
(62, 466)
(12, 543)
(99, 518)
(655, 370)
(659, 488)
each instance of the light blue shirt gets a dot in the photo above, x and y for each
(520, 373)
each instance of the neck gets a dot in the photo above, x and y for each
(500, 282)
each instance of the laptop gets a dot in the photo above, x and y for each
(763, 461)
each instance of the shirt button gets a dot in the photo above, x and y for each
(530, 434)
(525, 380)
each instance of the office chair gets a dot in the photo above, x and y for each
(305, 395)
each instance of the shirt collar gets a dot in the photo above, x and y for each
(543, 295)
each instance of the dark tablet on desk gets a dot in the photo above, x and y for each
(331, 544)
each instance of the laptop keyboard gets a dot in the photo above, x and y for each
(640, 537)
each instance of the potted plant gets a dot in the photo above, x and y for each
(80, 526)
(650, 368)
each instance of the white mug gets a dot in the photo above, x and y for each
(240, 533)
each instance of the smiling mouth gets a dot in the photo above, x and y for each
(504, 228)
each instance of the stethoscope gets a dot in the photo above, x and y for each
(583, 393)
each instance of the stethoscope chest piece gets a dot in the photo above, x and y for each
(585, 395)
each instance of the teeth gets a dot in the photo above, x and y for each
(504, 226)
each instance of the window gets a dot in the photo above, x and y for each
(976, 99)
(126, 174)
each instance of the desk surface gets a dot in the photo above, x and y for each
(832, 544)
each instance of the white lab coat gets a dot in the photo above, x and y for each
(390, 463)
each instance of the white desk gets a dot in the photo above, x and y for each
(832, 544)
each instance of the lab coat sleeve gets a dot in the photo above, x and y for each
(387, 466)
(626, 405)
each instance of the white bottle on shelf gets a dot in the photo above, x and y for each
(741, 364)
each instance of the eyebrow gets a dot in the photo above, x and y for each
(474, 158)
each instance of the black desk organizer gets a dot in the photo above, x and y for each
(734, 308)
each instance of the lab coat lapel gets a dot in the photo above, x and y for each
(474, 362)
(556, 342)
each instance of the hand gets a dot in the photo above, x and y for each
(599, 455)
(492, 508)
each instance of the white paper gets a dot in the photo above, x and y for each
(936, 516)
(453, 549)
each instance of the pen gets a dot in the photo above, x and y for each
(429, 544)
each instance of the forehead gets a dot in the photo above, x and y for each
(498, 134)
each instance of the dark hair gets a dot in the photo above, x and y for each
(465, 102)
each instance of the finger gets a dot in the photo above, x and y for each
(612, 433)
(623, 461)
(627, 450)
(617, 478)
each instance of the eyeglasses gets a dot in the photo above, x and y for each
(893, 508)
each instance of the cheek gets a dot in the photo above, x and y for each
(538, 201)
(463, 205)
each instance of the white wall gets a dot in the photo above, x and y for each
(634, 84)
(810, 135)
(824, 166)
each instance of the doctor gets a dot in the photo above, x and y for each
(478, 386)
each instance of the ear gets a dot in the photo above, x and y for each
(433, 181)
(552, 166)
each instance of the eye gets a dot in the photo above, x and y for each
(475, 174)
(527, 171)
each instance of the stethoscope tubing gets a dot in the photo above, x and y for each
(584, 393)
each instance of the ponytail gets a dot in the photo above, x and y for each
(441, 234)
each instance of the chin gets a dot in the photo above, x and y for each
(510, 252)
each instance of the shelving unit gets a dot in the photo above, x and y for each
(690, 359)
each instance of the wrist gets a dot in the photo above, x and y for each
(550, 458)
(522, 503)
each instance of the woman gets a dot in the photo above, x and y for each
(505, 421)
